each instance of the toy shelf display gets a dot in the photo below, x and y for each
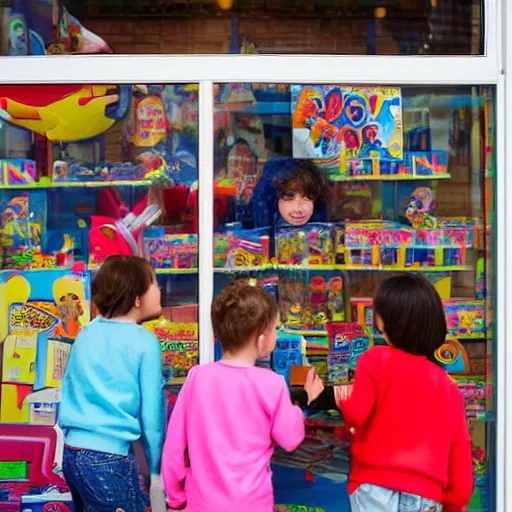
(400, 194)
(63, 210)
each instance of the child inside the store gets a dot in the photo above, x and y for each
(290, 191)
(112, 392)
(230, 414)
(411, 448)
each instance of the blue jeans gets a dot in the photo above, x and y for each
(102, 482)
(372, 498)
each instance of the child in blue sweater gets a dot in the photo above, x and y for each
(112, 391)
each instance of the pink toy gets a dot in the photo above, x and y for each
(108, 236)
(34, 444)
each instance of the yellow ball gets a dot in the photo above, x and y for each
(380, 12)
(225, 4)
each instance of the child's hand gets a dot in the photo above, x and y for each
(314, 385)
(157, 494)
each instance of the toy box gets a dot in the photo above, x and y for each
(347, 341)
(41, 313)
(374, 244)
(474, 390)
(170, 251)
(290, 350)
(465, 318)
(362, 313)
(179, 343)
(384, 244)
(309, 300)
(22, 225)
(238, 248)
(50, 500)
(309, 245)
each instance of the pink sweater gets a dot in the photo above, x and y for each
(221, 437)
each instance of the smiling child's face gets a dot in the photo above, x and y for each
(295, 209)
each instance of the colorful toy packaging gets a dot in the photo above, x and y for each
(465, 318)
(15, 172)
(474, 390)
(385, 244)
(362, 313)
(347, 341)
(180, 348)
(309, 245)
(22, 221)
(41, 315)
(170, 251)
(414, 164)
(309, 300)
(290, 350)
(239, 248)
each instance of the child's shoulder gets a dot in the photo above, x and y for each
(100, 327)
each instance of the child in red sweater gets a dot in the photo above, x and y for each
(411, 449)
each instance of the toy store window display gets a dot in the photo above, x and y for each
(382, 180)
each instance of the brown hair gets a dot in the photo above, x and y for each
(119, 281)
(240, 312)
(412, 313)
(306, 179)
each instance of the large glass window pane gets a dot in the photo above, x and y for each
(391, 179)
(386, 27)
(86, 172)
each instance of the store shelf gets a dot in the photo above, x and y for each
(347, 268)
(92, 268)
(176, 270)
(391, 177)
(78, 184)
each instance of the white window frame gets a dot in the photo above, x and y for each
(488, 69)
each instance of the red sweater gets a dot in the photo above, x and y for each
(410, 428)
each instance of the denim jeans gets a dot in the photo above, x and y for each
(102, 482)
(372, 498)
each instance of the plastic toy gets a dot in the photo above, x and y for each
(29, 470)
(17, 172)
(40, 27)
(36, 448)
(453, 357)
(170, 251)
(419, 209)
(150, 166)
(179, 342)
(309, 245)
(65, 112)
(49, 501)
(347, 341)
(465, 318)
(108, 236)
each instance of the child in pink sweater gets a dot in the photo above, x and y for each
(230, 414)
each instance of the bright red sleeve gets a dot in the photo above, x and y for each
(460, 472)
(356, 401)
